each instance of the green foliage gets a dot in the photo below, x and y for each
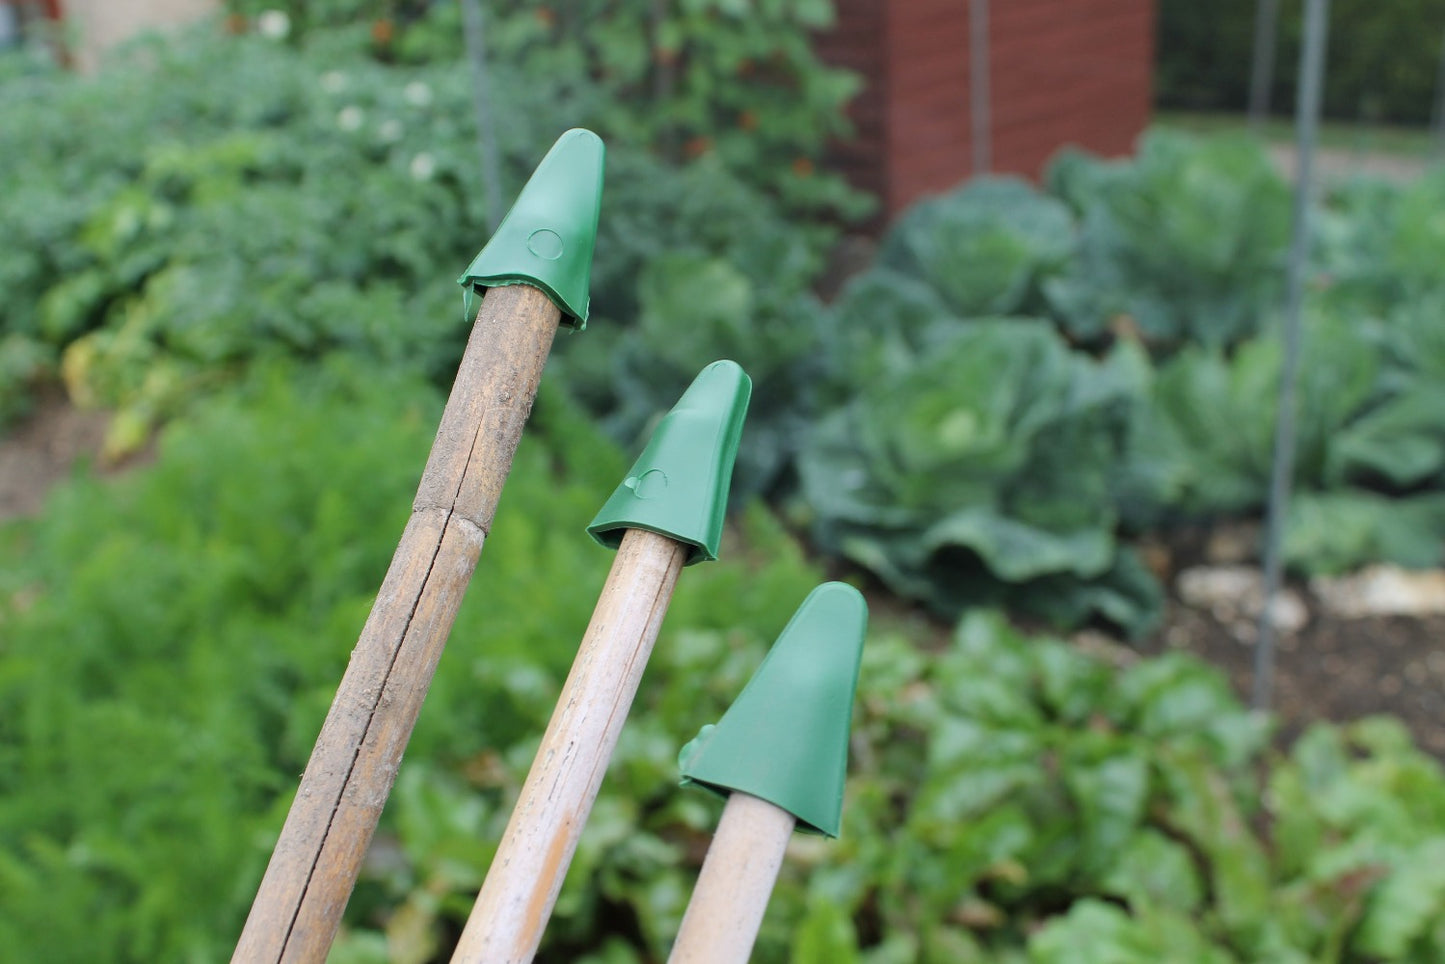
(1052, 802)
(178, 229)
(1166, 271)
(170, 233)
(172, 640)
(707, 78)
(985, 248)
(1205, 439)
(693, 310)
(167, 641)
(977, 456)
(1187, 239)
(735, 82)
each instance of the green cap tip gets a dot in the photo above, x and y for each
(547, 238)
(679, 485)
(785, 738)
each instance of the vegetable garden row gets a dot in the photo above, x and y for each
(1024, 381)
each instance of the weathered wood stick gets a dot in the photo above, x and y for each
(667, 513)
(722, 919)
(314, 866)
(535, 269)
(516, 900)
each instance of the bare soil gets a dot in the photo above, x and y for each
(43, 449)
(1333, 669)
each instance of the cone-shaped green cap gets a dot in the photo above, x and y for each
(679, 484)
(785, 739)
(546, 240)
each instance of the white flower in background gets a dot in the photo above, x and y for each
(423, 166)
(389, 131)
(349, 118)
(273, 24)
(333, 81)
(417, 93)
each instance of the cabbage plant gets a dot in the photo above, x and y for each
(982, 465)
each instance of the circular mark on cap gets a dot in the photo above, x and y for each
(545, 244)
(649, 486)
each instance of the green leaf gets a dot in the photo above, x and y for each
(984, 247)
(1405, 907)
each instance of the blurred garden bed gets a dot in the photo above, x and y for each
(1020, 409)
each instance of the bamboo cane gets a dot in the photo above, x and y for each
(521, 887)
(314, 866)
(722, 919)
(667, 512)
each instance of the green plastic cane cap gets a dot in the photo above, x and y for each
(679, 485)
(785, 739)
(546, 240)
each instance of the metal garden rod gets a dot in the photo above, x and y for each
(668, 512)
(474, 37)
(1261, 71)
(1438, 114)
(780, 755)
(1307, 116)
(537, 266)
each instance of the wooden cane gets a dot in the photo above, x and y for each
(666, 513)
(314, 865)
(732, 892)
(515, 901)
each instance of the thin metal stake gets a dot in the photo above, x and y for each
(474, 37)
(1307, 116)
(1438, 121)
(980, 121)
(1261, 72)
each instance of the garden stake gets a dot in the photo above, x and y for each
(1281, 475)
(537, 266)
(667, 513)
(781, 751)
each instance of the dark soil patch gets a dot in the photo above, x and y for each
(1333, 669)
(42, 449)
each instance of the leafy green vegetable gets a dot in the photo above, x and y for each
(986, 458)
(173, 233)
(985, 247)
(1187, 239)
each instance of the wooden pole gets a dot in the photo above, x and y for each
(314, 866)
(722, 919)
(516, 899)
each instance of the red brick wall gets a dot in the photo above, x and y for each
(856, 42)
(1068, 72)
(1061, 72)
(928, 142)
